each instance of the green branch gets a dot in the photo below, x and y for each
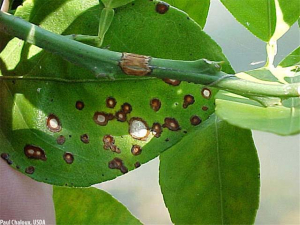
(109, 63)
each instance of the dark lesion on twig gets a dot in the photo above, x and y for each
(134, 64)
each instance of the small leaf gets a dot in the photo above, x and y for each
(89, 206)
(212, 178)
(197, 10)
(266, 19)
(292, 59)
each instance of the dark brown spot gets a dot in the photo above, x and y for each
(111, 102)
(68, 157)
(79, 105)
(136, 150)
(155, 104)
(138, 128)
(5, 156)
(34, 152)
(188, 100)
(117, 163)
(61, 140)
(133, 64)
(172, 81)
(206, 93)
(162, 7)
(171, 124)
(126, 108)
(53, 123)
(204, 108)
(121, 116)
(102, 118)
(137, 164)
(124, 169)
(157, 129)
(109, 143)
(30, 170)
(85, 138)
(195, 120)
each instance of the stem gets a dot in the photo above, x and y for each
(105, 62)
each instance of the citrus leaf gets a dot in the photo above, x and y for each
(63, 125)
(266, 19)
(197, 10)
(213, 178)
(279, 116)
(89, 206)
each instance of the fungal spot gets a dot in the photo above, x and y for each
(157, 129)
(137, 164)
(138, 128)
(155, 104)
(85, 138)
(102, 118)
(68, 157)
(206, 93)
(134, 64)
(121, 116)
(167, 140)
(53, 123)
(172, 81)
(34, 152)
(171, 124)
(162, 7)
(30, 170)
(109, 143)
(126, 108)
(79, 105)
(136, 150)
(61, 140)
(111, 102)
(188, 100)
(117, 163)
(195, 120)
(204, 108)
(5, 156)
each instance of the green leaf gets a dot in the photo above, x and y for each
(212, 178)
(279, 116)
(266, 19)
(36, 87)
(292, 59)
(89, 206)
(197, 10)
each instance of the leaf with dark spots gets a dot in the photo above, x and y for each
(85, 123)
(211, 179)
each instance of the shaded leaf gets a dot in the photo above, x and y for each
(51, 104)
(212, 178)
(89, 206)
(280, 116)
(266, 19)
(197, 10)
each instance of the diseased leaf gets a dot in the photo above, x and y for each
(89, 206)
(197, 10)
(212, 178)
(63, 125)
(266, 19)
(266, 114)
